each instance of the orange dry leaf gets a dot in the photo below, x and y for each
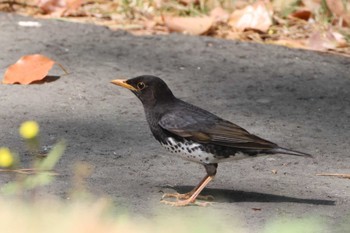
(49, 6)
(304, 14)
(28, 69)
(72, 5)
(256, 16)
(188, 25)
(59, 7)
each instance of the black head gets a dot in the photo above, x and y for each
(149, 89)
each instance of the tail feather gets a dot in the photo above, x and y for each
(280, 150)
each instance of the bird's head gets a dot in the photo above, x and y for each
(149, 89)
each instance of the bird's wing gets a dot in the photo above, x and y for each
(207, 128)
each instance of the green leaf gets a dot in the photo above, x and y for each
(40, 179)
(11, 188)
(52, 158)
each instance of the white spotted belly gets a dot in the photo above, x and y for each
(194, 152)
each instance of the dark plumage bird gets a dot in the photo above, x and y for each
(195, 134)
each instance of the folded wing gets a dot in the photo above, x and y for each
(207, 128)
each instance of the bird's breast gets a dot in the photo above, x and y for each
(201, 153)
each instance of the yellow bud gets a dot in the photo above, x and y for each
(29, 129)
(6, 158)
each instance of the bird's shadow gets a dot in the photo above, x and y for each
(229, 196)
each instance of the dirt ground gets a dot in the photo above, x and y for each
(298, 99)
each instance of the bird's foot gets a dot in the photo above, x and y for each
(186, 196)
(186, 202)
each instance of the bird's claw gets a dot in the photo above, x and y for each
(185, 199)
(183, 203)
(185, 196)
(205, 197)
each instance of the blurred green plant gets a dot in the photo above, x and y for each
(54, 215)
(302, 225)
(41, 173)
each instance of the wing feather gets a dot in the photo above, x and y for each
(207, 128)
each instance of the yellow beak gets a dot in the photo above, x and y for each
(122, 83)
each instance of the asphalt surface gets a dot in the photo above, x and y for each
(298, 99)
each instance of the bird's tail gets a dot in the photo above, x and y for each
(280, 150)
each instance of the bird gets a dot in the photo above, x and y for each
(195, 134)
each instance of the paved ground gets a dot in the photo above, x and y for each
(298, 99)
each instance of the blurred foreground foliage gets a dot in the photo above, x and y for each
(41, 171)
(99, 216)
(85, 213)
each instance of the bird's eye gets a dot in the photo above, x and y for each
(141, 85)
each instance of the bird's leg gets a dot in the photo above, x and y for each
(195, 194)
(183, 196)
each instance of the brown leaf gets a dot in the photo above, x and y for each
(304, 14)
(219, 14)
(324, 40)
(188, 25)
(256, 16)
(340, 9)
(49, 6)
(28, 69)
(72, 5)
(336, 7)
(59, 7)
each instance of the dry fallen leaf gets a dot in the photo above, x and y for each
(340, 9)
(219, 14)
(49, 6)
(28, 69)
(188, 25)
(257, 16)
(324, 40)
(304, 14)
(72, 5)
(59, 7)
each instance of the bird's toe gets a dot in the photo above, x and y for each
(183, 203)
